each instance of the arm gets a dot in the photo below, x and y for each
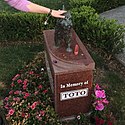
(27, 6)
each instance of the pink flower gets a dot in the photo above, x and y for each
(11, 112)
(11, 92)
(6, 99)
(16, 99)
(38, 117)
(105, 101)
(40, 87)
(45, 91)
(97, 86)
(35, 103)
(23, 93)
(23, 114)
(99, 106)
(25, 81)
(6, 106)
(100, 94)
(15, 77)
(31, 72)
(24, 86)
(26, 95)
(12, 84)
(42, 113)
(19, 81)
(17, 92)
(33, 106)
(36, 92)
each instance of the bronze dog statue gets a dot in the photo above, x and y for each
(63, 31)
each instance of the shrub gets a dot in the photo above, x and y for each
(104, 34)
(98, 5)
(29, 99)
(79, 3)
(54, 4)
(104, 5)
(21, 26)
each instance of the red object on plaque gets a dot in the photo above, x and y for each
(76, 50)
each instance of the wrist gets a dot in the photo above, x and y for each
(50, 12)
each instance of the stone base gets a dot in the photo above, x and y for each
(71, 76)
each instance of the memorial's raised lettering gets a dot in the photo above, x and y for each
(73, 94)
(67, 85)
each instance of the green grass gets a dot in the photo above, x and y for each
(13, 57)
(116, 92)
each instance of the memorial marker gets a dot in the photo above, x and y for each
(70, 68)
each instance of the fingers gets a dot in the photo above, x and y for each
(58, 13)
(61, 12)
(61, 16)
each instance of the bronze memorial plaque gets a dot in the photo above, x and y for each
(71, 75)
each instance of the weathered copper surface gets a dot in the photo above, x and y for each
(70, 73)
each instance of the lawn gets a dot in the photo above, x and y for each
(12, 59)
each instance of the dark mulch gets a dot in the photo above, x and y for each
(2, 118)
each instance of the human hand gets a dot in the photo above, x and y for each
(58, 13)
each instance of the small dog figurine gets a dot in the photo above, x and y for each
(63, 31)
